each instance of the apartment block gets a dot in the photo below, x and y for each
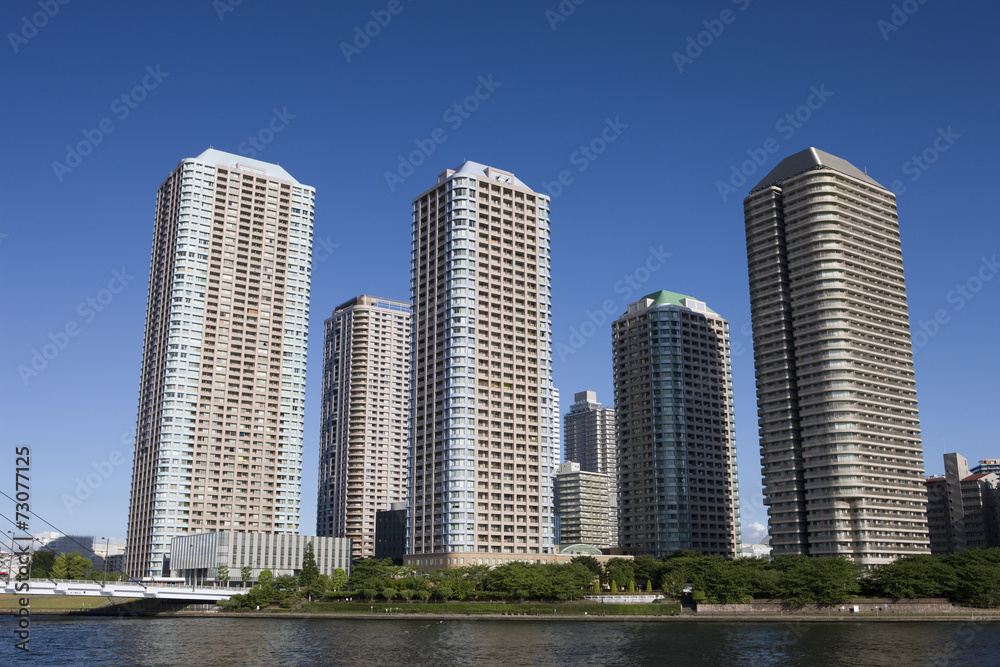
(836, 396)
(589, 435)
(586, 504)
(222, 390)
(483, 446)
(364, 415)
(963, 508)
(676, 431)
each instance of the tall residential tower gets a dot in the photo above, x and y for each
(836, 398)
(482, 445)
(364, 422)
(221, 397)
(589, 435)
(676, 431)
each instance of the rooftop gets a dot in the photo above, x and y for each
(811, 158)
(231, 160)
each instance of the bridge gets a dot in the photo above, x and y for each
(121, 589)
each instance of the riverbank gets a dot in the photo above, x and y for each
(556, 618)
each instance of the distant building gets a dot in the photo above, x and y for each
(755, 551)
(586, 507)
(589, 435)
(987, 465)
(963, 509)
(197, 557)
(390, 531)
(364, 414)
(84, 544)
(676, 428)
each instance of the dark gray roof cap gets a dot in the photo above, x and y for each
(807, 160)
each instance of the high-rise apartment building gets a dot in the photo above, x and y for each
(586, 506)
(963, 508)
(219, 428)
(589, 435)
(676, 431)
(836, 396)
(482, 436)
(987, 466)
(364, 418)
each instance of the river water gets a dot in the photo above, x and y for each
(229, 641)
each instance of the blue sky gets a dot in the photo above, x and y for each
(647, 111)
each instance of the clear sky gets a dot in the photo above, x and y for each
(648, 111)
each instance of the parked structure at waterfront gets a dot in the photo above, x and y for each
(586, 507)
(222, 390)
(483, 449)
(676, 429)
(963, 508)
(197, 557)
(364, 418)
(836, 395)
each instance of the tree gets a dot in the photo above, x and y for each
(286, 582)
(309, 571)
(222, 575)
(649, 585)
(339, 580)
(388, 594)
(246, 575)
(41, 563)
(320, 586)
(71, 565)
(265, 579)
(919, 576)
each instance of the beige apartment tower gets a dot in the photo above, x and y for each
(836, 397)
(586, 504)
(219, 427)
(364, 429)
(483, 451)
(589, 435)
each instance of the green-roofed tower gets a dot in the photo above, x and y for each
(676, 432)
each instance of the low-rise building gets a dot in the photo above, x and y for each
(197, 558)
(390, 531)
(963, 509)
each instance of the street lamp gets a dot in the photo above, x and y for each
(106, 541)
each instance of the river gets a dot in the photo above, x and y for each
(202, 641)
